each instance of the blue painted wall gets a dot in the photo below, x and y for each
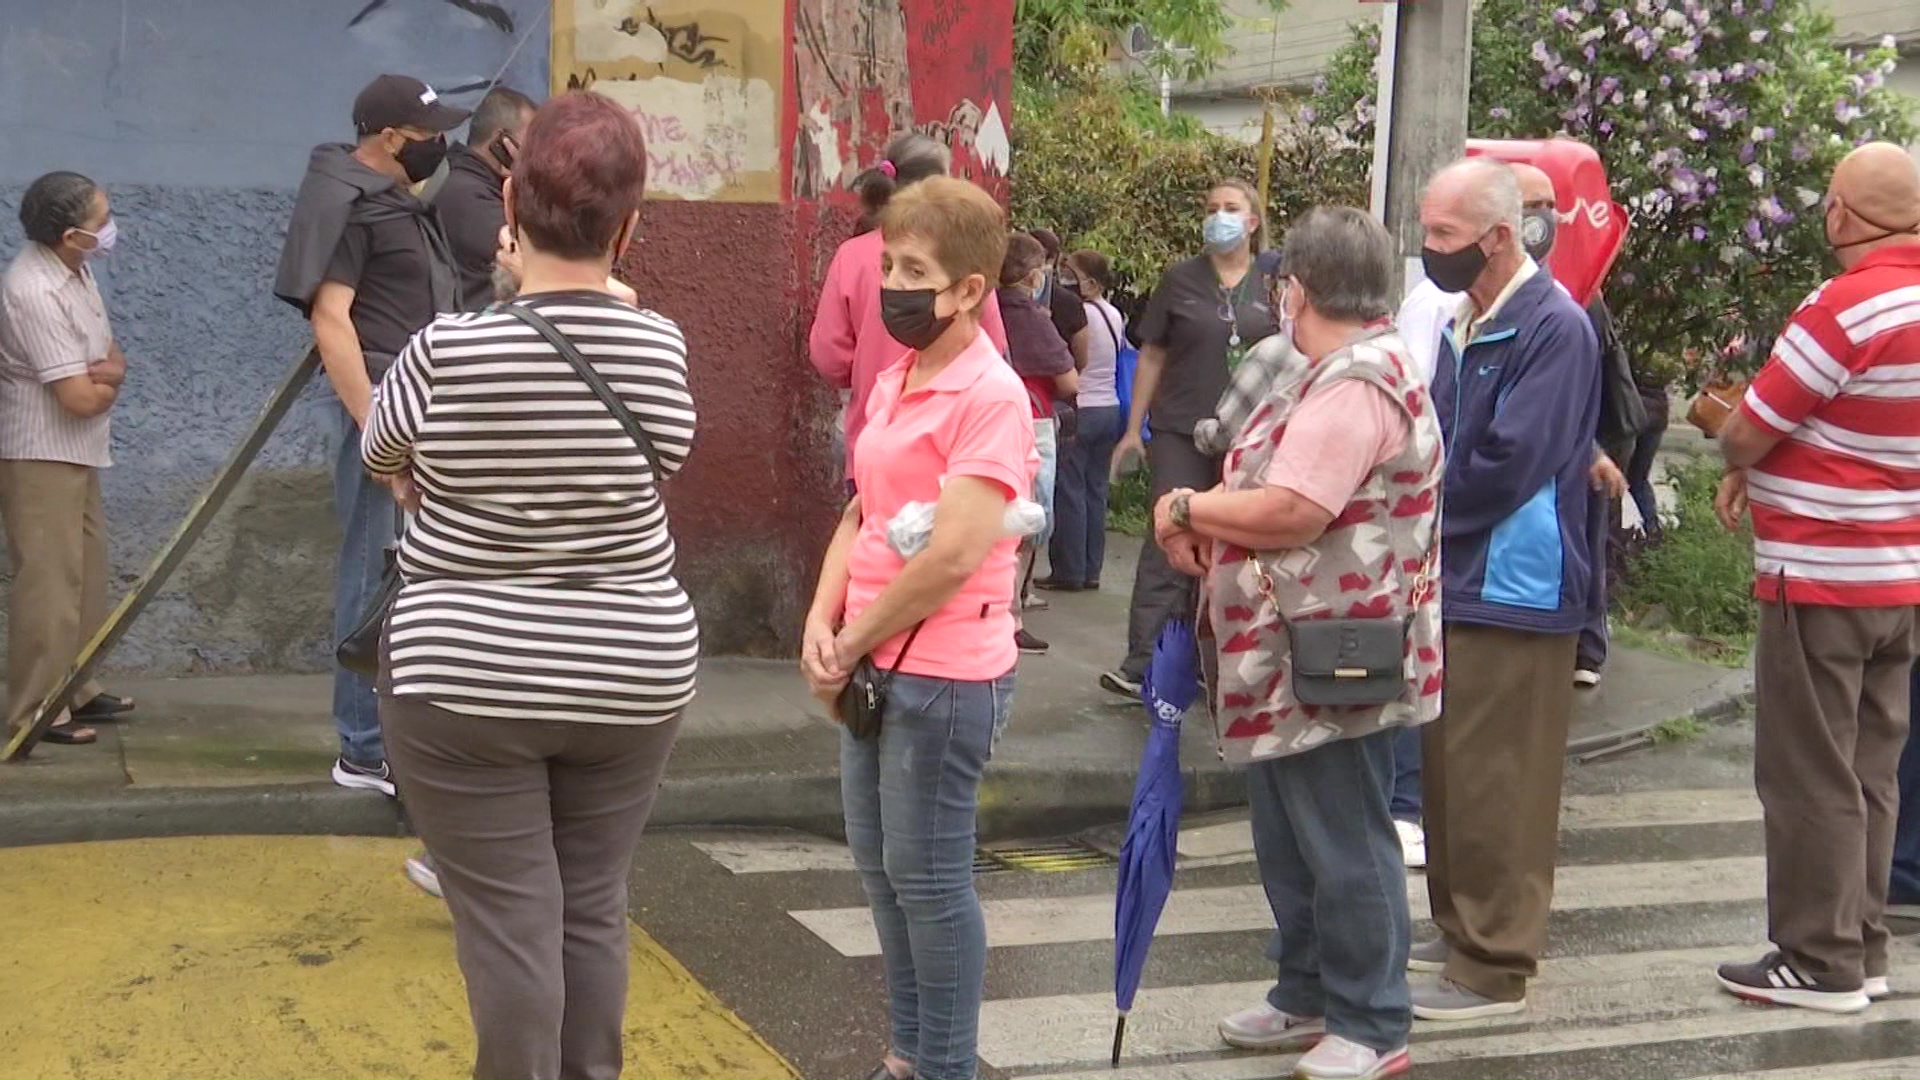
(198, 116)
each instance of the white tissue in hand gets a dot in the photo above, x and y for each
(912, 527)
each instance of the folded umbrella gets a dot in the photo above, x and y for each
(1153, 824)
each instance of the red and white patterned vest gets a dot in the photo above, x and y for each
(1365, 565)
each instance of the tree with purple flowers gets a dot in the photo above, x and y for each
(1719, 122)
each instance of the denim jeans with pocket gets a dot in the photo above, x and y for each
(1079, 548)
(1331, 865)
(369, 522)
(910, 797)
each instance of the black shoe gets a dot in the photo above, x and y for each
(1029, 644)
(1770, 980)
(104, 708)
(1050, 585)
(1121, 683)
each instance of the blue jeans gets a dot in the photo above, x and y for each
(1905, 888)
(1331, 864)
(368, 523)
(1592, 651)
(910, 797)
(1406, 775)
(1079, 546)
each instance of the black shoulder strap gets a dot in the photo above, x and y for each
(593, 380)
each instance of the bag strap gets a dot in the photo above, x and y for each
(904, 649)
(1101, 312)
(592, 378)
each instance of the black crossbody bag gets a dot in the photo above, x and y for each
(359, 651)
(864, 698)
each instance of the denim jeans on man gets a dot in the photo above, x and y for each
(1406, 775)
(369, 522)
(1079, 546)
(910, 797)
(1905, 888)
(1331, 864)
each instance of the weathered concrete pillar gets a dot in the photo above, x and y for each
(757, 119)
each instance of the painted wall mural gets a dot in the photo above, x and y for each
(702, 77)
(865, 69)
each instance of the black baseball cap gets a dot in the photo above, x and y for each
(392, 101)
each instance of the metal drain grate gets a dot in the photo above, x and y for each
(1050, 857)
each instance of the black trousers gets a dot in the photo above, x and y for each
(1160, 591)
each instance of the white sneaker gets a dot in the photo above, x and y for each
(1413, 844)
(352, 774)
(422, 872)
(1876, 988)
(1341, 1059)
(1586, 678)
(1264, 1027)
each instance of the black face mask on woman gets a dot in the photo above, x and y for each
(421, 159)
(909, 318)
(1455, 271)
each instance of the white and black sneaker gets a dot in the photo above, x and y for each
(1121, 683)
(1771, 980)
(352, 774)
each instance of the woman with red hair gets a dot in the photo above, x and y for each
(541, 653)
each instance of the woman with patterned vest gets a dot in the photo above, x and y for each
(1319, 554)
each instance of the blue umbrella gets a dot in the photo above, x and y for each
(1153, 824)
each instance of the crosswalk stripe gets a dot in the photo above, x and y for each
(1059, 920)
(1587, 991)
(1727, 1019)
(1231, 842)
(1883, 1069)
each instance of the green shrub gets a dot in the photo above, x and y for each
(1700, 575)
(1128, 508)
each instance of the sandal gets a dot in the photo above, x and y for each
(104, 708)
(70, 734)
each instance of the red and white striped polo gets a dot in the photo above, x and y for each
(1836, 506)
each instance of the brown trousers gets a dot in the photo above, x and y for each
(533, 827)
(1491, 771)
(1831, 688)
(57, 541)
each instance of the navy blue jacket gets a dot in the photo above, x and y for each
(1518, 411)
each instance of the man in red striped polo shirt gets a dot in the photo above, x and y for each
(1826, 450)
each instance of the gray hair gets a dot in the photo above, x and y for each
(912, 157)
(55, 203)
(499, 111)
(1343, 258)
(1492, 191)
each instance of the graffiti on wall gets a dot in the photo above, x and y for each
(867, 69)
(701, 76)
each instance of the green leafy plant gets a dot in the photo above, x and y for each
(1719, 123)
(1699, 579)
(1071, 41)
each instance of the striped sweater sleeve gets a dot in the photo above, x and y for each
(399, 407)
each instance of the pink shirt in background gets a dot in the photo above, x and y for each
(849, 343)
(972, 419)
(1334, 440)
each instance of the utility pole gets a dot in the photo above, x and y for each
(1427, 63)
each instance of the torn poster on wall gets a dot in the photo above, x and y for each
(701, 76)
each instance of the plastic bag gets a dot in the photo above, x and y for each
(912, 527)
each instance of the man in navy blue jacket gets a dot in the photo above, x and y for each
(1517, 390)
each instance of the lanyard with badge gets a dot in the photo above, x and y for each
(1229, 313)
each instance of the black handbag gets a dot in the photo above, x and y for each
(1353, 662)
(359, 651)
(864, 698)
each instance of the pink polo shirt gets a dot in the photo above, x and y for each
(972, 419)
(849, 344)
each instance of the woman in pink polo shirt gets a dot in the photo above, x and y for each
(849, 344)
(948, 424)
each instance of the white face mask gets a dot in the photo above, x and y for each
(103, 240)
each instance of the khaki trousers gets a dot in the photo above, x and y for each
(57, 542)
(1492, 767)
(1831, 688)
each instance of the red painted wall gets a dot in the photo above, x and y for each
(756, 504)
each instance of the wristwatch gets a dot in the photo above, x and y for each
(1180, 510)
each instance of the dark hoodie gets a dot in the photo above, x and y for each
(338, 191)
(472, 209)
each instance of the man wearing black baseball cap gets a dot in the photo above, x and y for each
(368, 263)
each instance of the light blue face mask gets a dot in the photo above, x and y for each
(1224, 231)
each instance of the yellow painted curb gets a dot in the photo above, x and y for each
(280, 956)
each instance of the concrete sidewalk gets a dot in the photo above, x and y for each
(250, 754)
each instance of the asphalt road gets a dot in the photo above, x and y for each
(1661, 878)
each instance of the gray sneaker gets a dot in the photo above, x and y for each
(1429, 956)
(1448, 1000)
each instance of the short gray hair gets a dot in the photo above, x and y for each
(1343, 258)
(1492, 191)
(55, 203)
